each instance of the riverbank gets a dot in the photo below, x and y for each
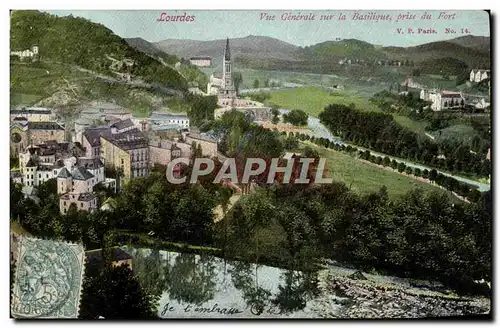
(358, 297)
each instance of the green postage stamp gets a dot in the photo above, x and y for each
(47, 279)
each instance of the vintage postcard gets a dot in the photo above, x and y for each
(307, 164)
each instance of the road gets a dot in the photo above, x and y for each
(321, 131)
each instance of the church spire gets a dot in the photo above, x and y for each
(227, 52)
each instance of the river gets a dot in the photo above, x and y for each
(203, 286)
(321, 131)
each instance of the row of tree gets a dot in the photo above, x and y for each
(449, 183)
(379, 131)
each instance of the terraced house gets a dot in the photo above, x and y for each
(127, 152)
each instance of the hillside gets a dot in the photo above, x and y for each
(446, 66)
(259, 52)
(80, 42)
(472, 56)
(480, 43)
(150, 49)
(337, 50)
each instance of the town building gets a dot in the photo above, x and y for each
(478, 75)
(208, 145)
(163, 151)
(127, 151)
(76, 187)
(201, 61)
(443, 100)
(40, 163)
(158, 119)
(33, 114)
(105, 111)
(24, 133)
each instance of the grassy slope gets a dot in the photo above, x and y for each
(364, 178)
(313, 100)
(32, 83)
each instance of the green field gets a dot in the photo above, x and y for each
(313, 100)
(364, 178)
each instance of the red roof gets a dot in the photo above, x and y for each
(444, 92)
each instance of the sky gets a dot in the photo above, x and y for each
(217, 24)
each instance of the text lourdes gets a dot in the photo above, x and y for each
(189, 308)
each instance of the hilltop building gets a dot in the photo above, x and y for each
(478, 75)
(33, 53)
(443, 100)
(201, 61)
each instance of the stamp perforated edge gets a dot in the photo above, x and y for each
(18, 258)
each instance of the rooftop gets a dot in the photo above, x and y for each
(167, 116)
(81, 173)
(120, 125)
(45, 126)
(31, 110)
(89, 162)
(132, 139)
(93, 135)
(201, 58)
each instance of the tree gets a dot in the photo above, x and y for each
(237, 80)
(275, 112)
(296, 117)
(401, 167)
(114, 293)
(416, 72)
(256, 84)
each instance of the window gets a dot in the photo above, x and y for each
(46, 175)
(64, 203)
(81, 204)
(51, 133)
(65, 210)
(122, 161)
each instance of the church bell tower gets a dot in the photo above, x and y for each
(228, 90)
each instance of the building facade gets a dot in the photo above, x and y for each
(33, 114)
(478, 75)
(443, 100)
(201, 61)
(127, 152)
(76, 187)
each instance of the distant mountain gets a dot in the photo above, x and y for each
(78, 41)
(444, 66)
(480, 43)
(344, 49)
(250, 47)
(150, 49)
(441, 49)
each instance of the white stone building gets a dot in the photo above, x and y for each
(478, 75)
(443, 100)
